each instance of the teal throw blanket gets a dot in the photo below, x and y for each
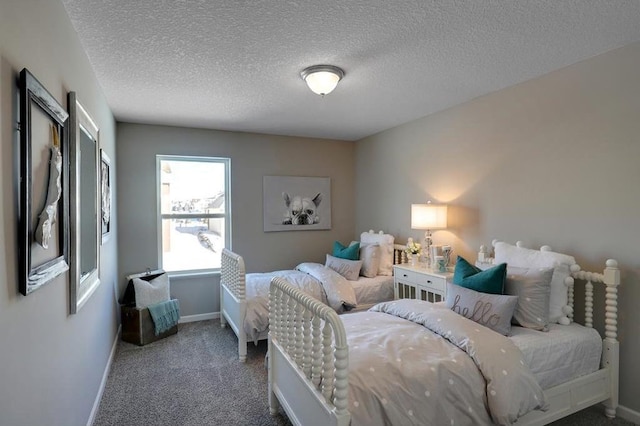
(164, 315)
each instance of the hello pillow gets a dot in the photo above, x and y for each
(491, 310)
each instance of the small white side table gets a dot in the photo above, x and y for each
(416, 282)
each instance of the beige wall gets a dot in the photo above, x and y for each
(252, 157)
(550, 161)
(51, 363)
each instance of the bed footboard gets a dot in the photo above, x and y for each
(308, 358)
(233, 304)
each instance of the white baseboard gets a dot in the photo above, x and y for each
(105, 375)
(628, 414)
(199, 317)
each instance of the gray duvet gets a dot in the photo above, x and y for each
(314, 279)
(435, 368)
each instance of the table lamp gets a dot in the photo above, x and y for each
(429, 217)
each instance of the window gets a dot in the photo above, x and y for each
(195, 213)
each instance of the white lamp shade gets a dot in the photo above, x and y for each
(322, 82)
(322, 79)
(428, 216)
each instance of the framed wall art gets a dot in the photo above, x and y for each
(105, 190)
(293, 203)
(43, 219)
(84, 195)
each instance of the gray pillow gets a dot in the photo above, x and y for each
(491, 310)
(350, 269)
(533, 288)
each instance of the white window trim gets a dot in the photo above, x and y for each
(226, 216)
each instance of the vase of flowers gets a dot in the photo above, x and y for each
(413, 251)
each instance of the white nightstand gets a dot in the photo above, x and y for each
(416, 282)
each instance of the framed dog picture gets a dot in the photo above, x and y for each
(293, 203)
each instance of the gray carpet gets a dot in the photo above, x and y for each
(194, 378)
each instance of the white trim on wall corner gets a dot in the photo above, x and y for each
(199, 317)
(105, 375)
(628, 414)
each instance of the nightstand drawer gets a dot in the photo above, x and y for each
(410, 277)
(437, 284)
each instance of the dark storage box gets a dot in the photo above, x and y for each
(137, 325)
(138, 328)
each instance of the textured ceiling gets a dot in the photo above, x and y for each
(235, 64)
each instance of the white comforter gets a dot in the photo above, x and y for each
(434, 368)
(314, 279)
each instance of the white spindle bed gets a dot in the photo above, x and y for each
(309, 358)
(233, 295)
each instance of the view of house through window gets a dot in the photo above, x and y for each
(194, 211)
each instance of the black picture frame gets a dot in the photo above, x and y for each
(105, 195)
(37, 265)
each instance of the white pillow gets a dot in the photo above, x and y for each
(527, 258)
(385, 241)
(370, 257)
(151, 292)
(350, 269)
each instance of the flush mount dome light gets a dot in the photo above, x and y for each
(322, 79)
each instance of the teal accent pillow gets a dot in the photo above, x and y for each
(351, 252)
(488, 281)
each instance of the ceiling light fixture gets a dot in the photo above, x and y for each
(322, 79)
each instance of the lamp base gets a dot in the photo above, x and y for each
(427, 249)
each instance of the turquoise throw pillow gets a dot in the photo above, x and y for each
(351, 252)
(488, 281)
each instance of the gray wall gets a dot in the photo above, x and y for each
(550, 161)
(252, 157)
(51, 363)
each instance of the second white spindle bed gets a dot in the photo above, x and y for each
(233, 294)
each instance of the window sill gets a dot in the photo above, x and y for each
(193, 274)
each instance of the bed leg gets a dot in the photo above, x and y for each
(611, 359)
(242, 347)
(274, 404)
(223, 321)
(609, 411)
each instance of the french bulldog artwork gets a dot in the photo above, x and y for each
(296, 203)
(301, 210)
